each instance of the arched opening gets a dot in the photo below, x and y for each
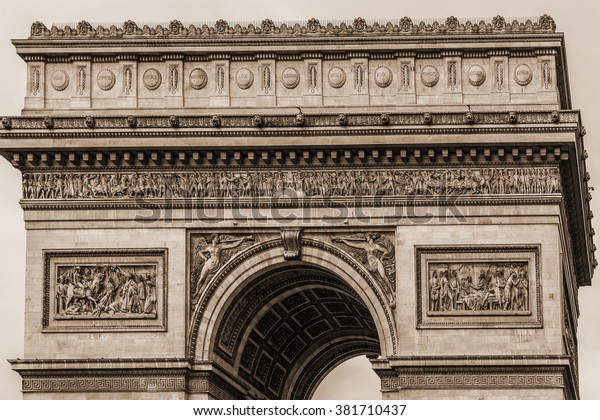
(290, 327)
(352, 380)
(279, 327)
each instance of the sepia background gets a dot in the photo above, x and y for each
(578, 19)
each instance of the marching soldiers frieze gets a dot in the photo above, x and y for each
(456, 287)
(294, 183)
(106, 291)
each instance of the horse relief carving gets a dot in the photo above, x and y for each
(106, 291)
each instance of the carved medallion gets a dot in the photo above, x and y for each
(383, 76)
(523, 74)
(198, 79)
(152, 79)
(290, 77)
(106, 79)
(337, 77)
(430, 76)
(60, 80)
(476, 75)
(244, 78)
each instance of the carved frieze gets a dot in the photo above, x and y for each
(298, 183)
(104, 289)
(59, 80)
(208, 253)
(479, 286)
(106, 79)
(376, 252)
(152, 79)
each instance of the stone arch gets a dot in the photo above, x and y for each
(247, 296)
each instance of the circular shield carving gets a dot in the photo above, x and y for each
(244, 78)
(290, 77)
(430, 76)
(60, 80)
(337, 77)
(523, 74)
(106, 79)
(383, 76)
(152, 79)
(476, 75)
(198, 78)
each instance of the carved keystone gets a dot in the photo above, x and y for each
(291, 244)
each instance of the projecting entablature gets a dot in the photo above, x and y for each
(309, 65)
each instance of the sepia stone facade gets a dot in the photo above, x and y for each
(230, 211)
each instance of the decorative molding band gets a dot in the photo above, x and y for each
(483, 380)
(310, 28)
(105, 384)
(298, 183)
(515, 119)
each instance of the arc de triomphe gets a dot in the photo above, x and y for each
(220, 210)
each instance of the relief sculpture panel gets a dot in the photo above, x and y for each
(299, 183)
(377, 253)
(105, 289)
(208, 253)
(478, 287)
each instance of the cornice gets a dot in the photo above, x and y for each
(215, 124)
(311, 28)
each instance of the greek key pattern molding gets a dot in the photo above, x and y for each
(429, 381)
(109, 384)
